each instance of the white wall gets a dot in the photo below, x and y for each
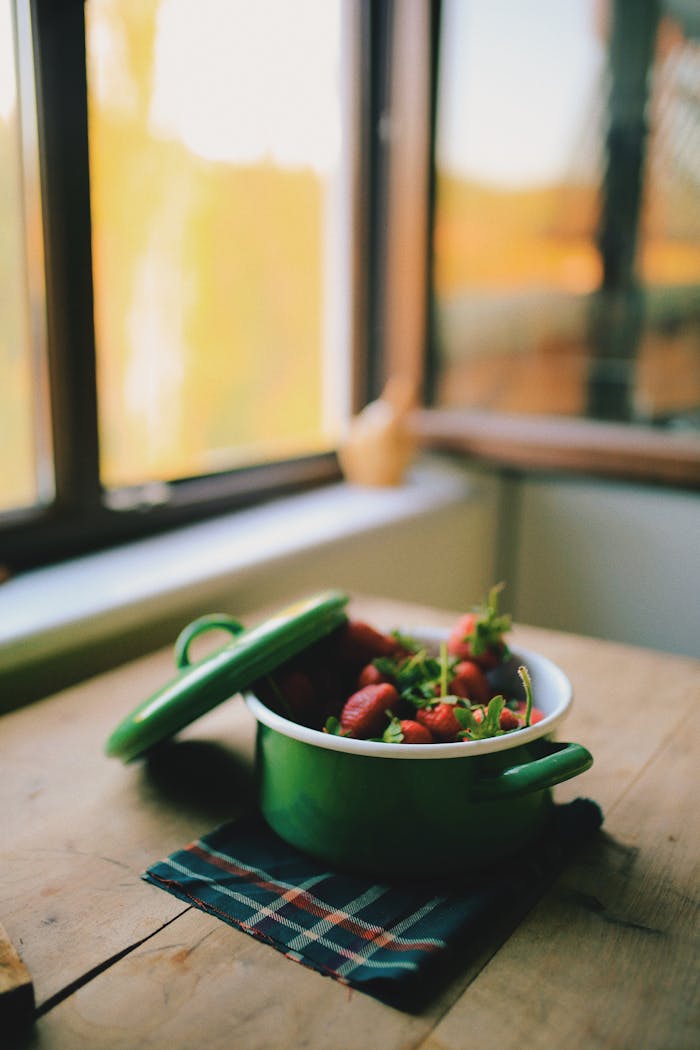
(444, 558)
(617, 561)
(613, 560)
(610, 560)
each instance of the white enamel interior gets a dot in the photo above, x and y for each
(552, 694)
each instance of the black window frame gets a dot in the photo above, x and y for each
(80, 518)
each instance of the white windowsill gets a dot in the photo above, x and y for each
(95, 597)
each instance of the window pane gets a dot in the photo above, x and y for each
(218, 154)
(567, 239)
(18, 478)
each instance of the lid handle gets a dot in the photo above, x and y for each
(210, 622)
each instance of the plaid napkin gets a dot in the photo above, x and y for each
(382, 938)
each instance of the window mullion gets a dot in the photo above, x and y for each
(59, 56)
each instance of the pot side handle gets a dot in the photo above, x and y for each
(559, 763)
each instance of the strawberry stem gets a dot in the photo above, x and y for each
(443, 669)
(525, 679)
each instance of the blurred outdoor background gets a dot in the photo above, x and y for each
(557, 292)
(219, 159)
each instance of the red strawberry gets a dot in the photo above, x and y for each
(478, 635)
(328, 687)
(298, 692)
(535, 714)
(370, 675)
(290, 692)
(359, 644)
(415, 733)
(509, 720)
(364, 713)
(470, 683)
(440, 720)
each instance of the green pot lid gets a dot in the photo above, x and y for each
(200, 686)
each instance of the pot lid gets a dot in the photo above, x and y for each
(200, 686)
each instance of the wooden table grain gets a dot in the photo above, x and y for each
(606, 958)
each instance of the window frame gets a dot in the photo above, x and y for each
(80, 517)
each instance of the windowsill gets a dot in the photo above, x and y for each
(615, 450)
(65, 622)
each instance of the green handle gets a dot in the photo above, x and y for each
(210, 622)
(559, 763)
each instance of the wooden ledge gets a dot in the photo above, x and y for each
(616, 450)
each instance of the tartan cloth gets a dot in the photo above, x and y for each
(376, 936)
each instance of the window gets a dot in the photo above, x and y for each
(226, 223)
(566, 238)
(201, 167)
(219, 229)
(25, 479)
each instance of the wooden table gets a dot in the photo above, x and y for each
(604, 959)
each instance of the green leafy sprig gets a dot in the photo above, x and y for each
(490, 725)
(489, 626)
(418, 678)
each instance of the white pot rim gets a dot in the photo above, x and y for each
(550, 686)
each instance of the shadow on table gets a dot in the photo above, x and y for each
(202, 777)
(469, 955)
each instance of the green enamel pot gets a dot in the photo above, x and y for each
(386, 809)
(418, 810)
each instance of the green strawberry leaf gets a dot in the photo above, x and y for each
(387, 666)
(492, 717)
(466, 719)
(393, 734)
(405, 642)
(489, 725)
(334, 727)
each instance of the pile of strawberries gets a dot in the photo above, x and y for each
(362, 683)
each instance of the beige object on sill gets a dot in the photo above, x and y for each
(379, 445)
